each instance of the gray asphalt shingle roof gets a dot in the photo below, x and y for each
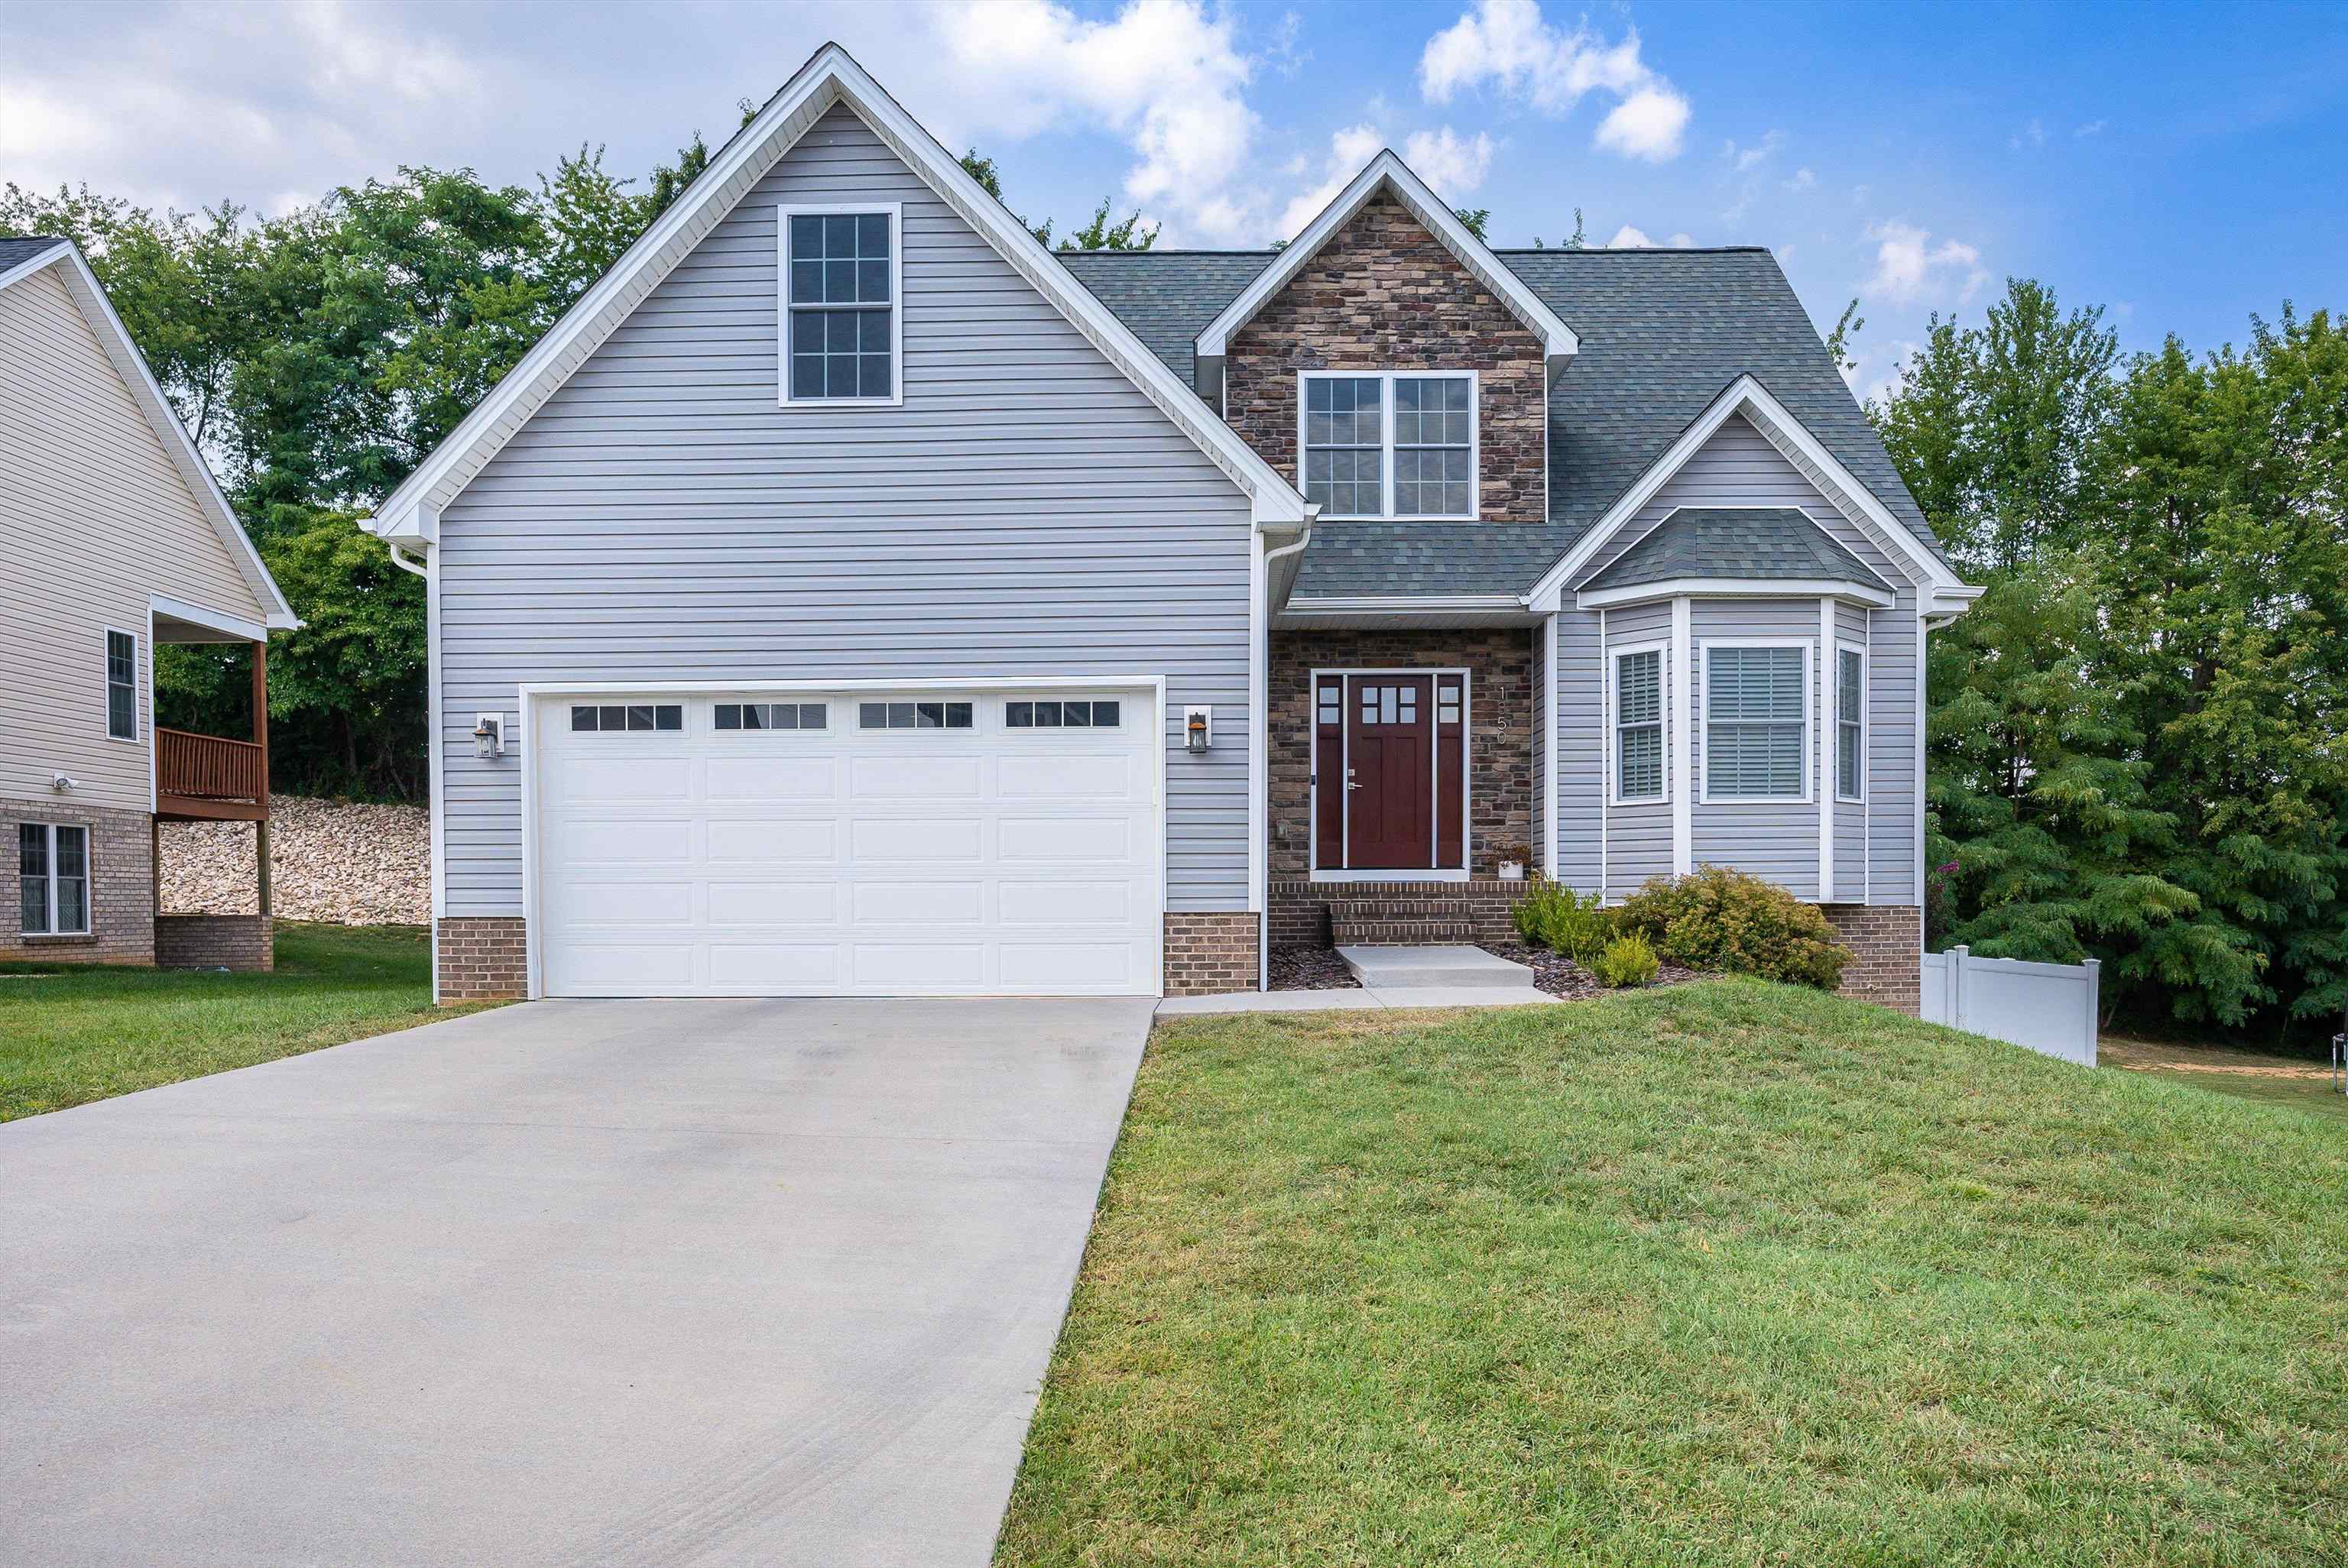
(1735, 542)
(17, 248)
(1663, 333)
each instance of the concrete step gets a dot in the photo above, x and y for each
(1382, 969)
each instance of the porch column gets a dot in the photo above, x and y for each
(260, 739)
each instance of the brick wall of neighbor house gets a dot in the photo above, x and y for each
(1209, 953)
(1889, 942)
(1384, 295)
(121, 893)
(480, 957)
(246, 943)
(1500, 773)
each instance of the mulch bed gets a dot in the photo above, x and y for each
(1321, 970)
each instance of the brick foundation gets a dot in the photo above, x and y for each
(121, 885)
(1301, 910)
(1889, 942)
(246, 943)
(480, 957)
(1210, 953)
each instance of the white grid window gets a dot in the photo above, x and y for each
(1389, 445)
(770, 715)
(1639, 725)
(1757, 723)
(840, 311)
(1850, 723)
(1060, 715)
(53, 879)
(121, 686)
(914, 716)
(611, 717)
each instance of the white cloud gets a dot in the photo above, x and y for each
(1508, 44)
(1909, 265)
(2093, 128)
(1348, 150)
(1681, 241)
(1803, 180)
(1746, 159)
(1629, 239)
(1454, 166)
(2034, 134)
(1164, 75)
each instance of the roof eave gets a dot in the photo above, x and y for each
(1733, 588)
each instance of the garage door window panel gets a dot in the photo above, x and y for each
(1048, 715)
(771, 716)
(641, 717)
(916, 715)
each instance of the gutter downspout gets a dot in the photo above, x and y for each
(401, 559)
(1260, 825)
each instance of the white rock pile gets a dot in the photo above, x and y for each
(354, 865)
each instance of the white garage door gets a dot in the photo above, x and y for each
(848, 843)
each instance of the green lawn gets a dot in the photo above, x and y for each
(68, 1035)
(1722, 1273)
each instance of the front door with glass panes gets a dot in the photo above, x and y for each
(1389, 769)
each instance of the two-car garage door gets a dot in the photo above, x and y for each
(951, 842)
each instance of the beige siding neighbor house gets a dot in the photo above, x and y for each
(113, 538)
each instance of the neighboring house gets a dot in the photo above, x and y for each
(851, 595)
(113, 538)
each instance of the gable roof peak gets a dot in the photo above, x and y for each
(1386, 173)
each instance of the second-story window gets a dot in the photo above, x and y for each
(840, 283)
(121, 686)
(1389, 445)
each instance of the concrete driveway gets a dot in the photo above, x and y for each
(607, 1283)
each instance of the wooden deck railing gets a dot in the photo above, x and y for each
(206, 767)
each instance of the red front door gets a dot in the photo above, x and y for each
(1390, 752)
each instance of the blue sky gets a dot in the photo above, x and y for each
(2180, 165)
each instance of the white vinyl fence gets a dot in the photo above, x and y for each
(2049, 1008)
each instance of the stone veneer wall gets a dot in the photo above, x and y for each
(121, 890)
(1207, 953)
(480, 957)
(1889, 941)
(247, 943)
(1384, 295)
(1500, 717)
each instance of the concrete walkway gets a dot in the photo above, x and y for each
(601, 1283)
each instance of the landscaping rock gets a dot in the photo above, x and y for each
(329, 860)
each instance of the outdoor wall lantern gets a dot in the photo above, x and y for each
(1197, 728)
(488, 736)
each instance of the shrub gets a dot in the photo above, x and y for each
(1533, 910)
(1729, 920)
(1578, 930)
(1627, 961)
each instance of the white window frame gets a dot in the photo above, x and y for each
(1386, 441)
(895, 212)
(1615, 657)
(1844, 645)
(89, 882)
(106, 642)
(1702, 676)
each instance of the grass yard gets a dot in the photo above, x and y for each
(73, 1034)
(2297, 1082)
(1726, 1273)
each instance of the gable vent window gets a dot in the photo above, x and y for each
(840, 331)
(1389, 446)
(121, 686)
(1639, 724)
(1757, 722)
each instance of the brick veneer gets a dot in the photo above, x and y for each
(1384, 295)
(1301, 909)
(1889, 942)
(121, 892)
(247, 943)
(480, 957)
(1499, 664)
(1207, 953)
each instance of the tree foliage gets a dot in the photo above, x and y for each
(2138, 737)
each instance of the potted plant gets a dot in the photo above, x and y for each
(1513, 860)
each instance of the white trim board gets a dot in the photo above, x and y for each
(1387, 172)
(830, 77)
(1731, 588)
(1940, 591)
(114, 338)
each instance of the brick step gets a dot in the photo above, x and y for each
(1412, 933)
(1433, 908)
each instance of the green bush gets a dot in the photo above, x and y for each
(1533, 910)
(1553, 915)
(1729, 920)
(1627, 961)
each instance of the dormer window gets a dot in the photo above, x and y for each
(1389, 445)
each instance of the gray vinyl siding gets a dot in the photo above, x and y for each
(94, 518)
(1639, 837)
(1028, 512)
(1772, 839)
(1876, 847)
(1580, 724)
